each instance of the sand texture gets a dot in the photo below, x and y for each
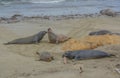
(91, 42)
(19, 61)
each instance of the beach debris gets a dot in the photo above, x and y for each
(17, 17)
(13, 19)
(117, 69)
(78, 67)
(45, 56)
(108, 12)
(81, 70)
(85, 54)
(64, 60)
(90, 42)
(54, 38)
(29, 40)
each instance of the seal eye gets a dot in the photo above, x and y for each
(49, 29)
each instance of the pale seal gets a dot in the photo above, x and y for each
(45, 56)
(54, 38)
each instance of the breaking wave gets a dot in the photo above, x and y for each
(46, 1)
(29, 1)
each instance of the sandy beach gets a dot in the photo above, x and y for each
(19, 61)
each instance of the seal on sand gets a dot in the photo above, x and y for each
(85, 54)
(101, 32)
(45, 56)
(108, 12)
(29, 40)
(54, 38)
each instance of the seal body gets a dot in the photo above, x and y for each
(29, 40)
(108, 12)
(85, 54)
(101, 32)
(54, 38)
(45, 56)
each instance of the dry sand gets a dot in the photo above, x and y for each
(19, 61)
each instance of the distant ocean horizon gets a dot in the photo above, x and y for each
(55, 7)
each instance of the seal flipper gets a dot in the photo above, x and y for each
(6, 43)
(35, 40)
(111, 55)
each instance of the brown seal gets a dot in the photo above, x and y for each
(54, 38)
(45, 56)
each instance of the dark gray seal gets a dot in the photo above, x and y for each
(85, 54)
(101, 32)
(108, 12)
(29, 40)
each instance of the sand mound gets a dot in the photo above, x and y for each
(91, 42)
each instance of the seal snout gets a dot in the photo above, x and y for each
(49, 30)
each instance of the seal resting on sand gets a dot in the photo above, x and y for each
(54, 38)
(45, 56)
(101, 32)
(29, 40)
(85, 54)
(108, 12)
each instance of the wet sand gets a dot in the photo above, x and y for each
(19, 61)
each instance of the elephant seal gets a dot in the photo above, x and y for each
(101, 32)
(54, 38)
(85, 54)
(45, 56)
(108, 12)
(29, 40)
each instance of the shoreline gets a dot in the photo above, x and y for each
(17, 17)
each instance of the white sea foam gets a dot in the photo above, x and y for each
(7, 2)
(46, 1)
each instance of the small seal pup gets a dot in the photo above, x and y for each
(45, 56)
(54, 38)
(29, 40)
(85, 54)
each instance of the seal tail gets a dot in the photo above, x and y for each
(6, 43)
(67, 38)
(111, 55)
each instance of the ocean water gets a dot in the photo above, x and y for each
(55, 7)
